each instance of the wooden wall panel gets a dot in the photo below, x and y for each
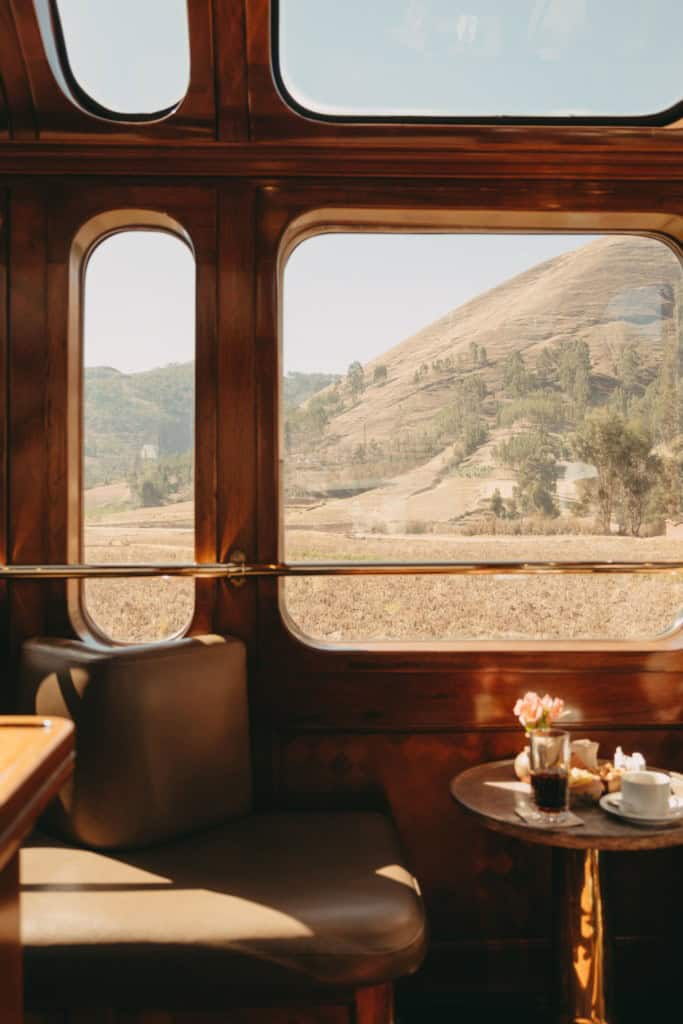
(44, 224)
(16, 102)
(4, 465)
(236, 498)
(230, 70)
(28, 383)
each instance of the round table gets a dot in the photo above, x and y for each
(491, 792)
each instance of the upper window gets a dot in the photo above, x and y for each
(485, 59)
(138, 429)
(125, 58)
(482, 398)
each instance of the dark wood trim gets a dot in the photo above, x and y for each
(236, 495)
(41, 403)
(4, 438)
(206, 403)
(11, 971)
(61, 116)
(15, 90)
(596, 161)
(230, 62)
(28, 402)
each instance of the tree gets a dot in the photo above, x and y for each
(546, 368)
(379, 374)
(667, 411)
(642, 470)
(627, 468)
(628, 367)
(599, 442)
(356, 379)
(516, 380)
(574, 373)
(497, 504)
(533, 456)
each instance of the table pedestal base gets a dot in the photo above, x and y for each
(581, 941)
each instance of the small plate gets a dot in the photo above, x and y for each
(611, 802)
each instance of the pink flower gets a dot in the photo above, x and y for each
(536, 712)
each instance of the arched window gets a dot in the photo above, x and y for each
(124, 60)
(138, 331)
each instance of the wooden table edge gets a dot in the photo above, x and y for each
(43, 774)
(569, 838)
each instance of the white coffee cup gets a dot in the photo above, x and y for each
(645, 794)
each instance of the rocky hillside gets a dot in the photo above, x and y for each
(614, 291)
(575, 333)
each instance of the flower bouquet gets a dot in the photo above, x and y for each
(589, 778)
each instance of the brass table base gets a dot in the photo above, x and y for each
(582, 949)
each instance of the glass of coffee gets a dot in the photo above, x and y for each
(549, 763)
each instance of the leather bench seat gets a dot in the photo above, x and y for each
(284, 901)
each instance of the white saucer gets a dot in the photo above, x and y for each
(611, 802)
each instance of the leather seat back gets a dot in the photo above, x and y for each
(162, 735)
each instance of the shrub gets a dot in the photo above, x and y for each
(416, 526)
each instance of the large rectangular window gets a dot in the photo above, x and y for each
(138, 429)
(482, 398)
(520, 59)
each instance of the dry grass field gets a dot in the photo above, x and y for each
(419, 608)
(449, 608)
(134, 611)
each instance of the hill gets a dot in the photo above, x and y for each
(418, 431)
(297, 387)
(132, 416)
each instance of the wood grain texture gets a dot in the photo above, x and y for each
(16, 101)
(61, 116)
(4, 438)
(231, 70)
(28, 467)
(36, 758)
(375, 1005)
(237, 382)
(67, 210)
(588, 173)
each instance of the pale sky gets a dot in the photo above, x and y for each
(141, 71)
(139, 309)
(482, 57)
(351, 297)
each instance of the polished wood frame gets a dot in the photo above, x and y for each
(91, 234)
(246, 176)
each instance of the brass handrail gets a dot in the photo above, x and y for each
(244, 570)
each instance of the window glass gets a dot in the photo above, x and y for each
(482, 398)
(483, 58)
(138, 429)
(129, 57)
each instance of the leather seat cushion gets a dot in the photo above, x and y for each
(277, 900)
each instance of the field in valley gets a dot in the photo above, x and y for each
(416, 608)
